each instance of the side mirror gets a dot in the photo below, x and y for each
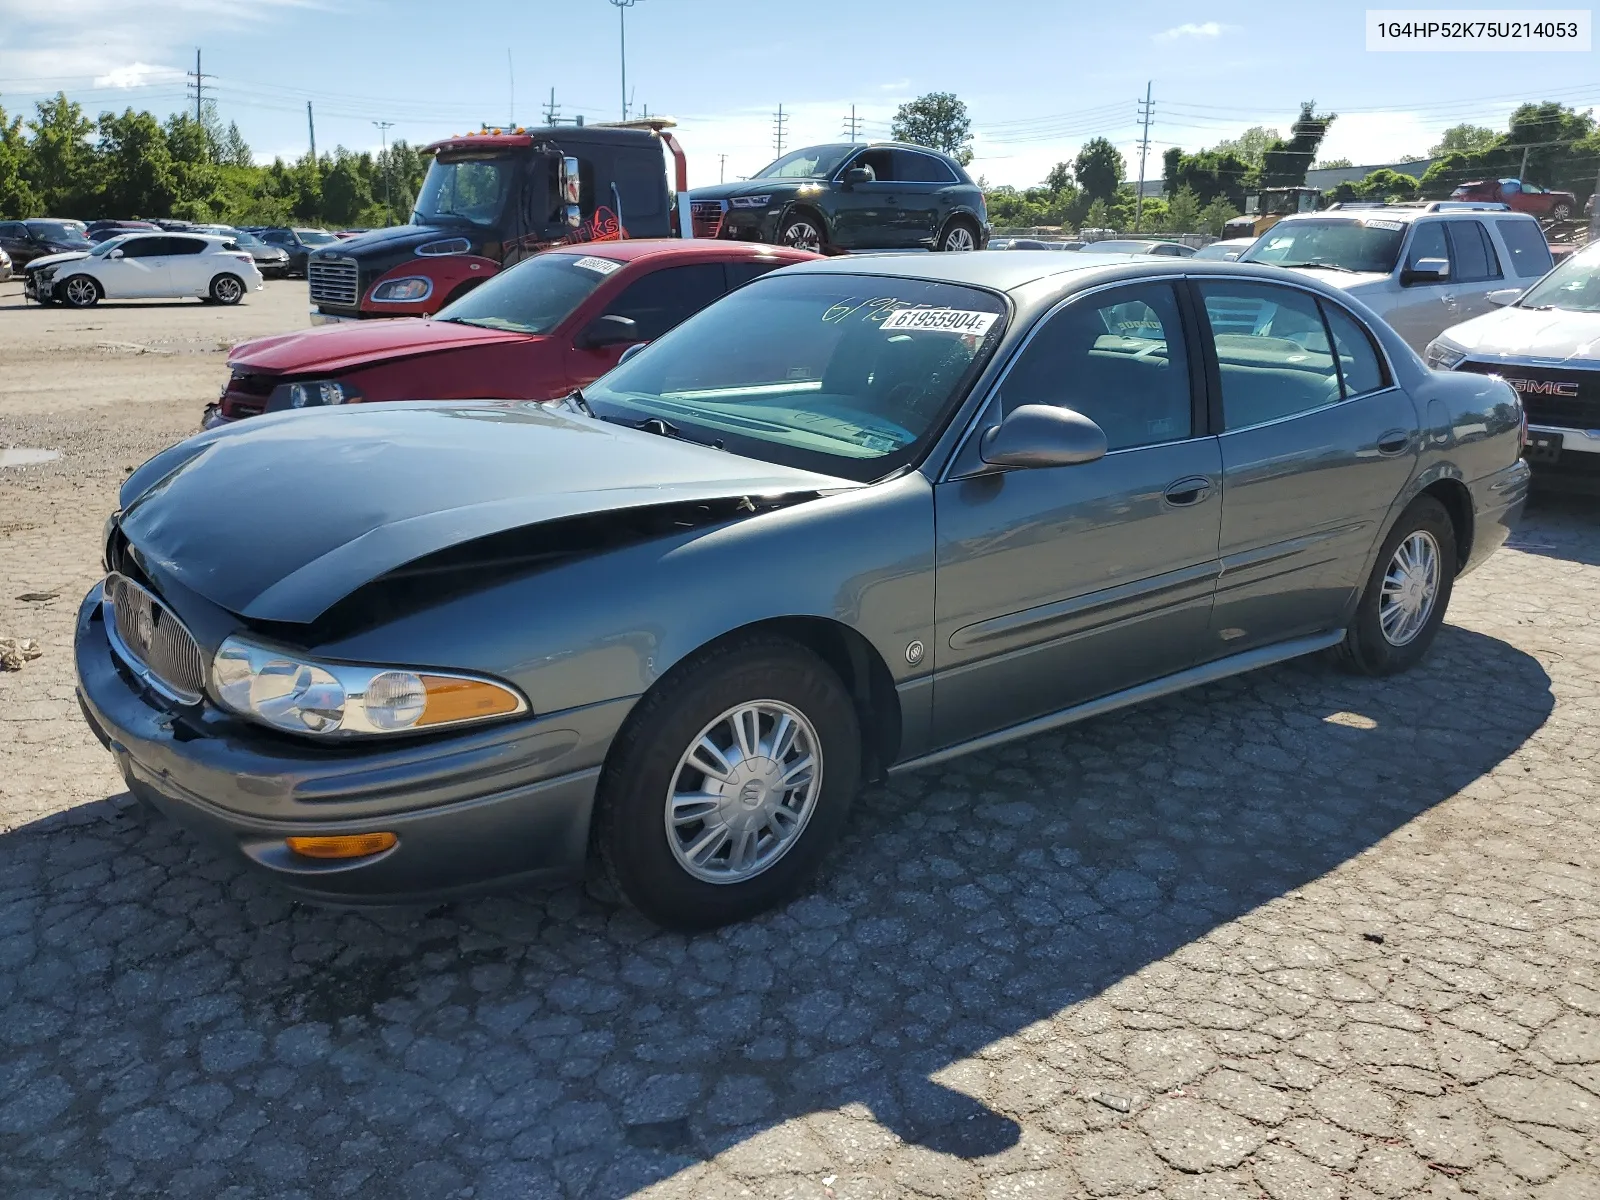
(631, 351)
(1504, 296)
(1042, 435)
(857, 175)
(571, 192)
(1426, 270)
(115, 254)
(609, 330)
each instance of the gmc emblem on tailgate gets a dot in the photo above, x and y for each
(1540, 387)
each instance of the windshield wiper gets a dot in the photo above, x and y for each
(1320, 266)
(575, 401)
(659, 426)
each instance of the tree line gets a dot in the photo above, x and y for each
(60, 163)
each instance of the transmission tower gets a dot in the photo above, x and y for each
(853, 124)
(780, 130)
(198, 88)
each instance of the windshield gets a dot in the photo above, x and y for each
(68, 233)
(814, 162)
(534, 296)
(107, 246)
(315, 237)
(248, 241)
(1370, 245)
(464, 189)
(1113, 247)
(849, 375)
(1574, 286)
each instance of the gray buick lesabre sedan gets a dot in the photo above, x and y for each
(859, 516)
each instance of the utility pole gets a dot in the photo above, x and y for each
(722, 168)
(1594, 221)
(311, 124)
(552, 110)
(852, 125)
(199, 86)
(383, 129)
(1144, 150)
(511, 104)
(622, 7)
(780, 127)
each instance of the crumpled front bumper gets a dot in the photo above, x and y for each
(488, 807)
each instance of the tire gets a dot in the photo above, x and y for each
(685, 875)
(79, 291)
(227, 289)
(1561, 212)
(802, 231)
(1392, 635)
(959, 235)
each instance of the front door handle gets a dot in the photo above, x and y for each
(1394, 442)
(1188, 491)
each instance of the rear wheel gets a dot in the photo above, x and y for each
(729, 784)
(1561, 212)
(1406, 595)
(227, 289)
(80, 291)
(959, 235)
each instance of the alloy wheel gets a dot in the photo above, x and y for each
(802, 235)
(81, 292)
(743, 791)
(960, 238)
(227, 290)
(1410, 588)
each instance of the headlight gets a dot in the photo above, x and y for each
(456, 245)
(751, 201)
(402, 291)
(318, 393)
(1442, 356)
(300, 695)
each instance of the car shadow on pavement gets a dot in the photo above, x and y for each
(1561, 525)
(165, 1017)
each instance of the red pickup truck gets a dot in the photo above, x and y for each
(552, 323)
(1520, 197)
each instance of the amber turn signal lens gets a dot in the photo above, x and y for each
(463, 700)
(346, 845)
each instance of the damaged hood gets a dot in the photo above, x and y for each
(351, 344)
(1545, 337)
(280, 517)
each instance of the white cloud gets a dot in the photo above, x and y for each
(136, 75)
(1207, 29)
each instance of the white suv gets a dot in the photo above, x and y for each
(1421, 268)
(213, 269)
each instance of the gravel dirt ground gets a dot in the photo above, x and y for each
(1296, 935)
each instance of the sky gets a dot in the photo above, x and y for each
(1038, 79)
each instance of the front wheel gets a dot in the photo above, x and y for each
(958, 236)
(1406, 595)
(729, 784)
(80, 292)
(227, 289)
(802, 231)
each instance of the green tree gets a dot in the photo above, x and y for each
(60, 159)
(346, 188)
(1464, 138)
(1060, 177)
(1216, 215)
(135, 168)
(1098, 215)
(1250, 146)
(16, 197)
(1209, 175)
(1333, 164)
(939, 120)
(1382, 184)
(1098, 169)
(1285, 163)
(1183, 212)
(235, 150)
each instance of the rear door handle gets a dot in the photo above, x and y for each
(1394, 442)
(1188, 491)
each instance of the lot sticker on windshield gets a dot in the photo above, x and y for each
(1395, 225)
(942, 320)
(600, 266)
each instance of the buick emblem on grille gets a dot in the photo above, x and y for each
(151, 642)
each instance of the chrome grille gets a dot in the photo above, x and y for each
(334, 281)
(707, 217)
(1564, 397)
(153, 642)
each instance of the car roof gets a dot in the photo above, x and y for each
(1404, 212)
(1001, 272)
(637, 248)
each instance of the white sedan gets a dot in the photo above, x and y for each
(214, 269)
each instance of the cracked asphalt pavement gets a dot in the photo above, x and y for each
(1295, 935)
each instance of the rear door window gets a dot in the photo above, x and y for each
(1473, 259)
(911, 167)
(1360, 367)
(1283, 366)
(1530, 253)
(185, 245)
